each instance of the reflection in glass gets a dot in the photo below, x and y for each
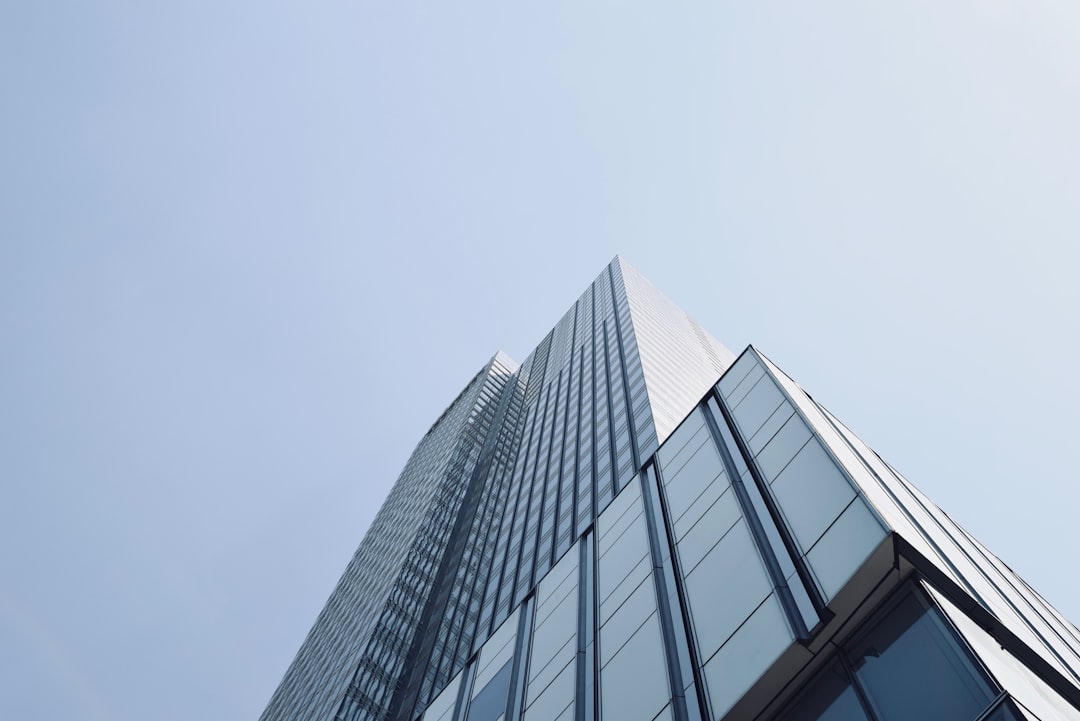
(909, 665)
(912, 667)
(490, 703)
(829, 698)
(1005, 712)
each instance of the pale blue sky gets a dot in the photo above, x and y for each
(249, 251)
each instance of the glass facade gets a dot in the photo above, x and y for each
(634, 523)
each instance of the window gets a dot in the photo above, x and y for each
(906, 664)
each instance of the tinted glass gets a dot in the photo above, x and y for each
(490, 703)
(912, 667)
(829, 698)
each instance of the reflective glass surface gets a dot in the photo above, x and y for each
(747, 654)
(490, 703)
(830, 697)
(633, 683)
(811, 493)
(912, 667)
(726, 587)
(758, 504)
(844, 546)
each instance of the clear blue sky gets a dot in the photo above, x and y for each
(249, 251)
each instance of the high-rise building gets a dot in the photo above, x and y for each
(634, 524)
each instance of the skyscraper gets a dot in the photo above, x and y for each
(635, 523)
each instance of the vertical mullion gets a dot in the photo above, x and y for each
(757, 530)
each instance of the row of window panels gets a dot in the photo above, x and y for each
(565, 536)
(907, 662)
(327, 649)
(784, 429)
(832, 525)
(471, 573)
(500, 491)
(398, 620)
(419, 475)
(629, 626)
(968, 562)
(471, 576)
(939, 539)
(537, 493)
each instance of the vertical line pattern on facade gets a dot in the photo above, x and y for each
(467, 486)
(704, 704)
(405, 696)
(375, 678)
(529, 489)
(556, 526)
(585, 623)
(595, 410)
(611, 420)
(482, 526)
(978, 568)
(757, 530)
(631, 424)
(515, 698)
(511, 519)
(592, 709)
(504, 480)
(663, 605)
(464, 691)
(560, 490)
(545, 484)
(574, 531)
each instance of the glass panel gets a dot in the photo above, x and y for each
(624, 588)
(633, 685)
(495, 651)
(740, 378)
(609, 534)
(747, 655)
(555, 698)
(782, 448)
(553, 635)
(843, 548)
(704, 463)
(829, 697)
(699, 505)
(551, 587)
(758, 405)
(442, 707)
(707, 532)
(629, 617)
(622, 557)
(628, 502)
(490, 703)
(556, 599)
(541, 678)
(693, 425)
(912, 667)
(1030, 691)
(811, 493)
(726, 587)
(1005, 712)
(685, 486)
(770, 427)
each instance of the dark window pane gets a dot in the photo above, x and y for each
(490, 703)
(912, 667)
(1005, 712)
(829, 697)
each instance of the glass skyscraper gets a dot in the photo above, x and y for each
(637, 524)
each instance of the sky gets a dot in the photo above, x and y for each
(249, 251)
